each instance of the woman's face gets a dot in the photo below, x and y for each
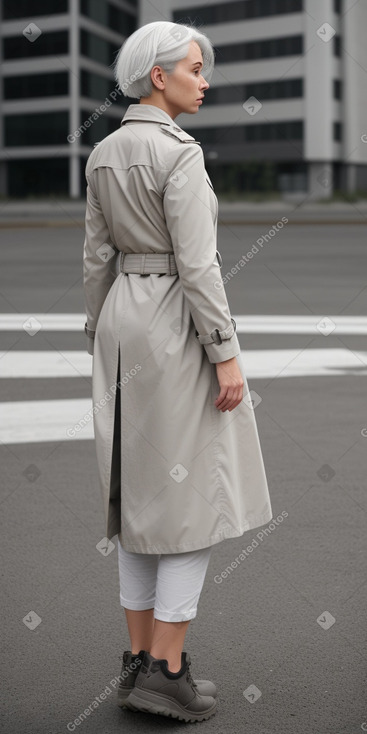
(184, 87)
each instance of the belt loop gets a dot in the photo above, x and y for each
(142, 263)
(122, 256)
(170, 264)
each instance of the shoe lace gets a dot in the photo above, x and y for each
(189, 676)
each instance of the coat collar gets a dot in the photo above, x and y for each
(147, 112)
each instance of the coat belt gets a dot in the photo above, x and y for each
(145, 263)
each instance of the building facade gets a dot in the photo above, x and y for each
(286, 107)
(58, 96)
(287, 102)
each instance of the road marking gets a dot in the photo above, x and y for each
(258, 363)
(318, 325)
(45, 364)
(256, 324)
(35, 421)
(49, 322)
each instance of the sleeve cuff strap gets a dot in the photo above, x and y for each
(89, 332)
(217, 336)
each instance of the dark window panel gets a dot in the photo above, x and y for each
(109, 15)
(290, 130)
(95, 10)
(261, 49)
(337, 131)
(38, 177)
(95, 86)
(238, 93)
(238, 10)
(47, 44)
(121, 21)
(97, 48)
(253, 176)
(337, 89)
(31, 8)
(43, 128)
(35, 85)
(283, 89)
(337, 45)
(98, 129)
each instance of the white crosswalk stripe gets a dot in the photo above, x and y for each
(72, 419)
(46, 420)
(258, 363)
(250, 324)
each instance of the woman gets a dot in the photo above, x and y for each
(177, 447)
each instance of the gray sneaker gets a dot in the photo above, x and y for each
(159, 691)
(129, 672)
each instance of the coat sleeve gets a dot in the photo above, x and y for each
(187, 208)
(99, 261)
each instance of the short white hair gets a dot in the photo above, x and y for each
(159, 43)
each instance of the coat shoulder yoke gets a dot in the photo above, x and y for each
(178, 133)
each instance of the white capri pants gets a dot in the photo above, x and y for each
(171, 583)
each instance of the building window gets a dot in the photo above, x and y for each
(95, 86)
(337, 45)
(283, 89)
(271, 131)
(291, 130)
(44, 128)
(36, 85)
(38, 177)
(337, 89)
(30, 8)
(337, 131)
(47, 44)
(121, 21)
(98, 129)
(95, 10)
(242, 10)
(238, 93)
(231, 179)
(109, 15)
(292, 177)
(262, 49)
(97, 48)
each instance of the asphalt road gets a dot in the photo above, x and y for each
(283, 633)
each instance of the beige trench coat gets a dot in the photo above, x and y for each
(176, 473)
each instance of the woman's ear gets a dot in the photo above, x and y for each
(157, 77)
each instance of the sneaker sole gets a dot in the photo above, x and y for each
(122, 700)
(154, 704)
